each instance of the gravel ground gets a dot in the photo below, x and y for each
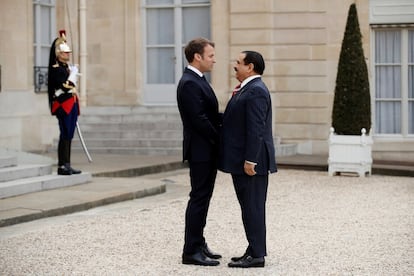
(316, 224)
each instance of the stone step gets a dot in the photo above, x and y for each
(136, 134)
(286, 149)
(133, 126)
(129, 143)
(119, 110)
(139, 130)
(40, 183)
(8, 161)
(281, 150)
(132, 151)
(24, 171)
(21, 157)
(130, 130)
(128, 118)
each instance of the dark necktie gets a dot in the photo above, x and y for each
(236, 90)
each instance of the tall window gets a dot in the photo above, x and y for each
(394, 81)
(169, 25)
(44, 33)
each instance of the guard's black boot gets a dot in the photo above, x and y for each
(69, 149)
(75, 171)
(61, 153)
(64, 170)
(64, 158)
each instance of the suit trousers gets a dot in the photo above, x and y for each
(202, 178)
(251, 193)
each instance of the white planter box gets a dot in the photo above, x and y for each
(350, 153)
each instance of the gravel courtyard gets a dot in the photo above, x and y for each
(316, 225)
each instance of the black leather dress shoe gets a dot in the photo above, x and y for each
(248, 261)
(207, 251)
(74, 171)
(199, 258)
(236, 259)
(63, 170)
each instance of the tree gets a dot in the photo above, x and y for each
(352, 103)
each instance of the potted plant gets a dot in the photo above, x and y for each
(350, 144)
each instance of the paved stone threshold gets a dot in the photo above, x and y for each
(105, 188)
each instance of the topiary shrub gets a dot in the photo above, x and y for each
(352, 103)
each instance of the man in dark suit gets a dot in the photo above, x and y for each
(247, 152)
(198, 108)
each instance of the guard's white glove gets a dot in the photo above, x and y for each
(74, 72)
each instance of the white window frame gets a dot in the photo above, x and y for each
(40, 65)
(404, 135)
(164, 94)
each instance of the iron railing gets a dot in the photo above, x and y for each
(40, 78)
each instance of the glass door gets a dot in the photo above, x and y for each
(168, 26)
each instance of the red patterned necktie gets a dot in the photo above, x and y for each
(236, 89)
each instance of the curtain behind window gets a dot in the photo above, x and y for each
(388, 81)
(160, 41)
(411, 82)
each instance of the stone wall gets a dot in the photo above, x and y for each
(25, 123)
(300, 41)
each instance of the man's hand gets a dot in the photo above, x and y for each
(249, 168)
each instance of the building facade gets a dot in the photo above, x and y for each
(130, 54)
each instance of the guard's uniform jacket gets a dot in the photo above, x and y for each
(61, 98)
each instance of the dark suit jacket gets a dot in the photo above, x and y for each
(246, 133)
(198, 108)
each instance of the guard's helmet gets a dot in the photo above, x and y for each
(60, 43)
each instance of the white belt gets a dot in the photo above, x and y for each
(60, 92)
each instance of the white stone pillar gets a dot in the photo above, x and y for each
(83, 52)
